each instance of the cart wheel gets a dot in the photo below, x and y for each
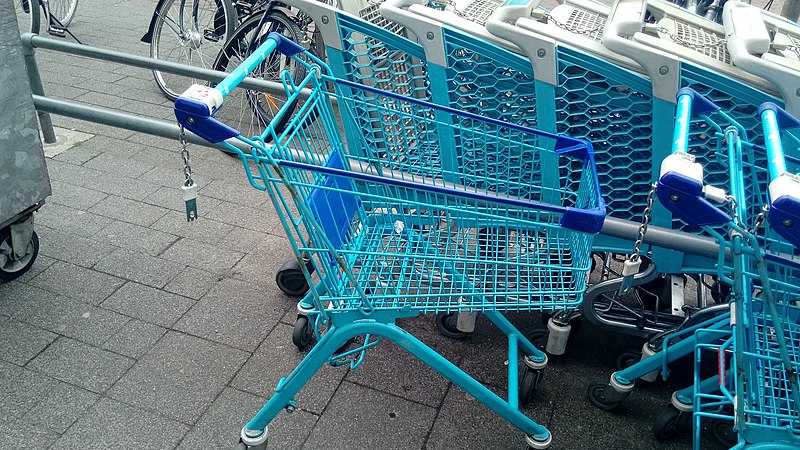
(302, 333)
(720, 291)
(627, 359)
(530, 381)
(446, 324)
(243, 446)
(575, 323)
(537, 336)
(11, 268)
(596, 394)
(290, 279)
(669, 422)
(723, 432)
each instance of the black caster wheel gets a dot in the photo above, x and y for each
(11, 267)
(303, 333)
(670, 422)
(530, 381)
(446, 324)
(290, 278)
(627, 359)
(723, 432)
(596, 393)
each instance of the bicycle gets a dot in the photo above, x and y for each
(58, 14)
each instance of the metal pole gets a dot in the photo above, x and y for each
(45, 122)
(661, 237)
(791, 10)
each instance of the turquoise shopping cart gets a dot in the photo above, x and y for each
(387, 242)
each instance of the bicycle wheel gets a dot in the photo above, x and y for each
(189, 32)
(28, 15)
(250, 111)
(63, 11)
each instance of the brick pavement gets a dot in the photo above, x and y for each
(135, 329)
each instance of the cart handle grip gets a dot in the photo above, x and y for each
(680, 185)
(784, 186)
(195, 108)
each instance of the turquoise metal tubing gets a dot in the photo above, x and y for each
(683, 113)
(500, 321)
(338, 335)
(248, 65)
(772, 140)
(684, 347)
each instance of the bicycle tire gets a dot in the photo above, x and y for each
(63, 11)
(196, 42)
(28, 15)
(250, 111)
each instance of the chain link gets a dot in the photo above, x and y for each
(648, 212)
(679, 40)
(572, 28)
(759, 220)
(794, 49)
(731, 202)
(187, 168)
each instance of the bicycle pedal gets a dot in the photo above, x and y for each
(57, 31)
(210, 35)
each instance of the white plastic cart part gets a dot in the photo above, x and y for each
(630, 268)
(786, 185)
(714, 193)
(753, 49)
(683, 164)
(209, 96)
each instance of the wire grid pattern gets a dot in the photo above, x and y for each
(478, 11)
(410, 246)
(485, 79)
(618, 120)
(700, 40)
(373, 15)
(374, 57)
(582, 21)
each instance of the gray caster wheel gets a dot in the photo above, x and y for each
(446, 324)
(597, 396)
(670, 422)
(303, 333)
(10, 266)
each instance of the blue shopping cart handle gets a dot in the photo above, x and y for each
(683, 197)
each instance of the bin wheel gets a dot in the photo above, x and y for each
(723, 432)
(243, 446)
(446, 324)
(669, 422)
(290, 279)
(596, 393)
(10, 267)
(530, 381)
(627, 359)
(302, 333)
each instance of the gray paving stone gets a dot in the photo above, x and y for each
(75, 196)
(362, 418)
(81, 364)
(136, 238)
(86, 285)
(70, 173)
(114, 425)
(179, 377)
(20, 390)
(112, 163)
(112, 102)
(18, 432)
(265, 259)
(68, 317)
(111, 147)
(71, 220)
(77, 155)
(203, 229)
(143, 269)
(209, 257)
(128, 210)
(135, 338)
(275, 358)
(148, 304)
(40, 265)
(60, 408)
(166, 176)
(233, 313)
(116, 185)
(263, 219)
(236, 191)
(167, 156)
(221, 425)
(246, 241)
(20, 342)
(71, 248)
(192, 283)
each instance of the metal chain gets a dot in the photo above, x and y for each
(731, 202)
(795, 49)
(648, 211)
(685, 43)
(759, 220)
(572, 28)
(187, 168)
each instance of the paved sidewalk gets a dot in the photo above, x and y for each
(135, 329)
